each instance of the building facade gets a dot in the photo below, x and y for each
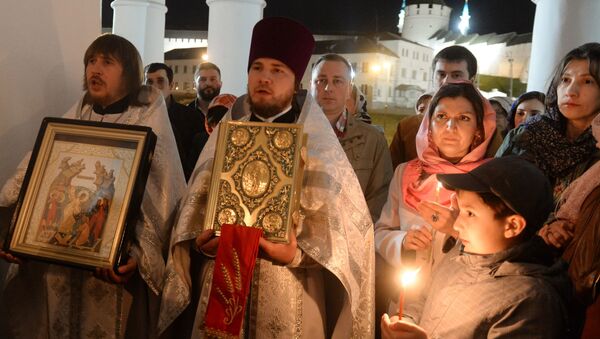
(383, 70)
(423, 18)
(501, 57)
(184, 62)
(392, 70)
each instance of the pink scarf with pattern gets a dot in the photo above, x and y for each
(415, 190)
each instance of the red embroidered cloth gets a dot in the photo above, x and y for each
(236, 256)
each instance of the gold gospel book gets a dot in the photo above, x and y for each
(256, 177)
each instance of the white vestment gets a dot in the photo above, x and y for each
(49, 301)
(328, 291)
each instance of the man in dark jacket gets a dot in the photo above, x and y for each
(183, 120)
(207, 80)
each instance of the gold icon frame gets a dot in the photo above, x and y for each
(106, 166)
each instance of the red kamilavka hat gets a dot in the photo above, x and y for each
(282, 39)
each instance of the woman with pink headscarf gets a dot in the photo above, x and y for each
(415, 227)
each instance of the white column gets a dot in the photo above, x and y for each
(230, 24)
(143, 23)
(559, 26)
(41, 67)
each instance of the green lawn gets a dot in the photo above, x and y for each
(389, 121)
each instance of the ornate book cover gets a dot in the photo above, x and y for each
(256, 177)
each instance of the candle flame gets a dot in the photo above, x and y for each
(437, 191)
(408, 277)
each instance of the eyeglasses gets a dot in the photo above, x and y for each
(336, 83)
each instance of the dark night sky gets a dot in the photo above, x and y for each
(352, 17)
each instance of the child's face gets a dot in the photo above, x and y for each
(478, 230)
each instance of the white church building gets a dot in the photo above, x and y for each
(391, 69)
(44, 40)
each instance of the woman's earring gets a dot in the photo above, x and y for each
(477, 139)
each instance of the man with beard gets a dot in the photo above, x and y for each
(207, 80)
(51, 301)
(320, 284)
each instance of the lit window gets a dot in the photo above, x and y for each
(364, 89)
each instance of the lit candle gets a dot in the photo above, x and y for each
(407, 277)
(437, 191)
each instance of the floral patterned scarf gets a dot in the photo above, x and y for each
(545, 141)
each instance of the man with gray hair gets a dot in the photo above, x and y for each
(364, 145)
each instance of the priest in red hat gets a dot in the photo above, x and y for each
(320, 285)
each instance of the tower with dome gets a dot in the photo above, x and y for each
(501, 57)
(423, 18)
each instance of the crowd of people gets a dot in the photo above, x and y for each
(495, 202)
